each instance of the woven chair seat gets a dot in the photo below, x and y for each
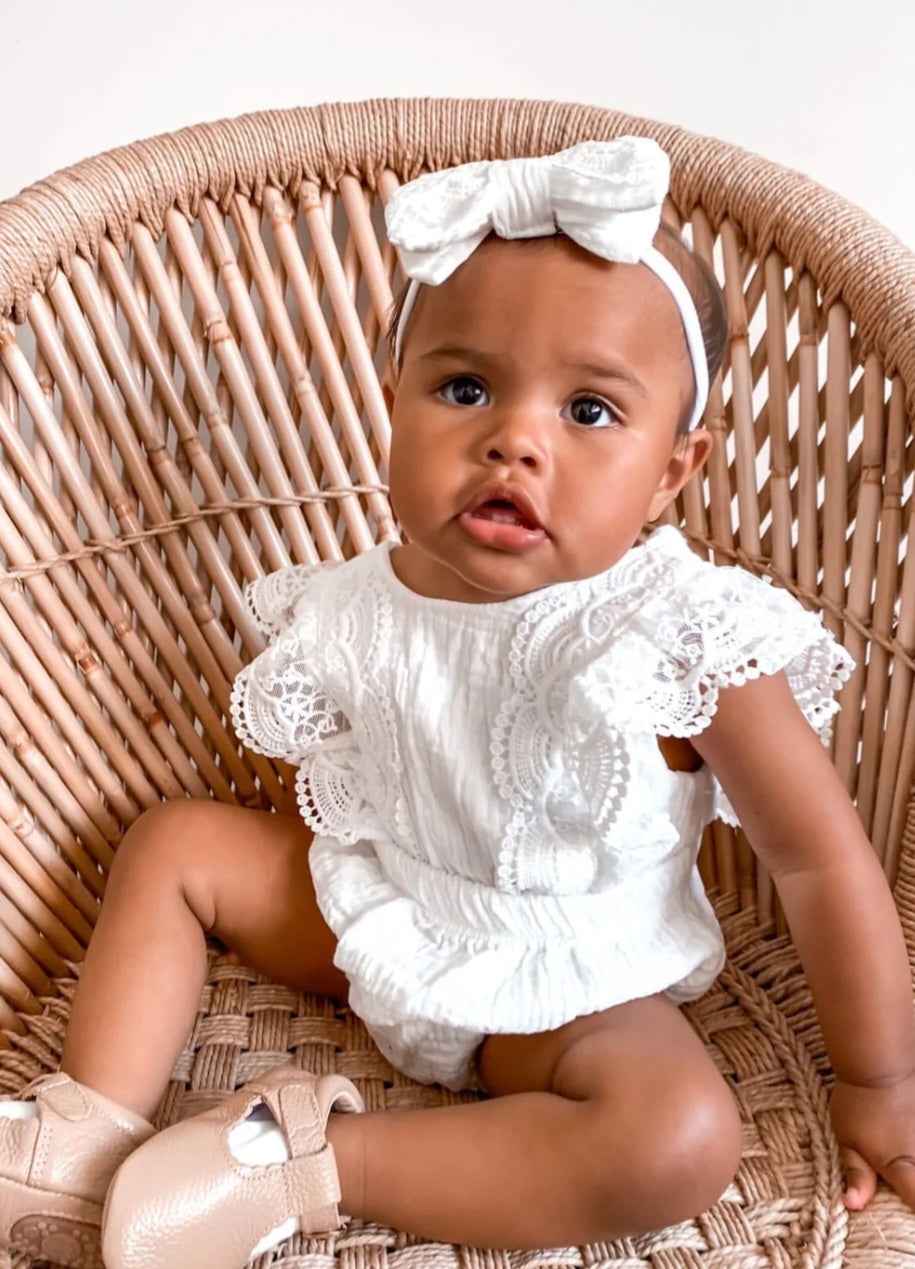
(191, 340)
(784, 1207)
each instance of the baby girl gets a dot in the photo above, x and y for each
(510, 732)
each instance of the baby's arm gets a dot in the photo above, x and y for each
(805, 830)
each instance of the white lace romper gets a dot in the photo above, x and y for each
(499, 843)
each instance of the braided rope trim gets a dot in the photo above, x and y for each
(93, 548)
(829, 1231)
(852, 257)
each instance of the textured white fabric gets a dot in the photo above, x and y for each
(605, 195)
(500, 846)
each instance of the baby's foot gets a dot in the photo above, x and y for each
(58, 1152)
(196, 1196)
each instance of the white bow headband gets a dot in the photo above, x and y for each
(605, 195)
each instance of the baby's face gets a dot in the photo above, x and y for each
(534, 420)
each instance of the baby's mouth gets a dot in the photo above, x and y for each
(502, 518)
(503, 511)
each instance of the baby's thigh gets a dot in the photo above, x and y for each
(245, 876)
(647, 1080)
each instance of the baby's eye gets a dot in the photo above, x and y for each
(463, 390)
(592, 412)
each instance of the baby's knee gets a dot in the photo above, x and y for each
(705, 1143)
(163, 844)
(678, 1160)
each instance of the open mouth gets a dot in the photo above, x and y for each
(502, 517)
(504, 511)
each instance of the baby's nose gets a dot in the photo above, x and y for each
(518, 439)
(507, 455)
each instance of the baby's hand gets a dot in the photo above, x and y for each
(875, 1129)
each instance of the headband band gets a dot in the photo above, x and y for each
(604, 195)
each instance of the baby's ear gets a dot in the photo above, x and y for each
(690, 454)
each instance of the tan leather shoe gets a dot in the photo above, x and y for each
(55, 1169)
(184, 1199)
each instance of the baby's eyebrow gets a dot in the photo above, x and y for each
(591, 369)
(615, 373)
(455, 352)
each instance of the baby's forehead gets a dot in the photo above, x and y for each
(551, 252)
(550, 276)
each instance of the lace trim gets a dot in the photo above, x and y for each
(327, 793)
(661, 618)
(735, 628)
(721, 806)
(357, 637)
(646, 647)
(277, 707)
(563, 769)
(271, 600)
(316, 697)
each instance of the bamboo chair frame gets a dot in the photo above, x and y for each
(191, 339)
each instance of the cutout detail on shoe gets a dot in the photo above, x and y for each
(258, 1141)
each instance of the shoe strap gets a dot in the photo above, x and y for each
(302, 1103)
(313, 1189)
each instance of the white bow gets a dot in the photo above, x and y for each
(605, 195)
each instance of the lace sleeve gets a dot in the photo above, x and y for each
(648, 652)
(729, 627)
(278, 709)
(272, 599)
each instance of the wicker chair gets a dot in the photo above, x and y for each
(190, 343)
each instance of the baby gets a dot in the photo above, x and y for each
(510, 733)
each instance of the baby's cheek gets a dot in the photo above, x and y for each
(412, 499)
(400, 476)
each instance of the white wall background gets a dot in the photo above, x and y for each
(825, 86)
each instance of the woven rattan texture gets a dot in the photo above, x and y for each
(784, 1209)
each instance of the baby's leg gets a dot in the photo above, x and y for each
(615, 1124)
(184, 870)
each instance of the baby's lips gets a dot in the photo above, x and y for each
(500, 536)
(500, 509)
(499, 491)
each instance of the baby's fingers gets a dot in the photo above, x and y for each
(900, 1174)
(860, 1179)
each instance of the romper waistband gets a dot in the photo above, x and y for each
(489, 914)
